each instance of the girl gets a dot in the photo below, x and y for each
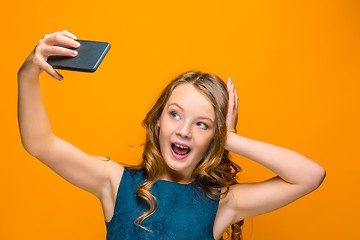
(185, 187)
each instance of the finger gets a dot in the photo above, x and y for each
(234, 94)
(237, 100)
(64, 32)
(69, 34)
(55, 50)
(231, 97)
(51, 71)
(228, 84)
(60, 38)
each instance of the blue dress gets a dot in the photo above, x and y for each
(184, 211)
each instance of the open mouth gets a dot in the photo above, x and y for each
(180, 151)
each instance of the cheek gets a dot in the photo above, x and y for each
(164, 131)
(205, 143)
(164, 134)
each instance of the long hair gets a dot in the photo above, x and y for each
(215, 171)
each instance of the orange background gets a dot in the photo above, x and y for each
(295, 68)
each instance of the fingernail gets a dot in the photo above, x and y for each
(74, 53)
(77, 44)
(61, 77)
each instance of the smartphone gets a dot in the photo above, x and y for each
(90, 55)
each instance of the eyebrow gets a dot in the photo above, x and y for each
(202, 117)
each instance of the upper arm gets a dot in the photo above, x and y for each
(251, 199)
(85, 171)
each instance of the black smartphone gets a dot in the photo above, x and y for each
(90, 55)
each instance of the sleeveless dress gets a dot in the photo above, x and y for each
(184, 211)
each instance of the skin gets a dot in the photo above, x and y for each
(296, 175)
(188, 117)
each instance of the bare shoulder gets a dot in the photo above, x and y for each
(232, 207)
(109, 193)
(246, 200)
(116, 175)
(225, 215)
(115, 171)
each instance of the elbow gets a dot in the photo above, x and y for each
(321, 177)
(31, 151)
(37, 149)
(28, 149)
(316, 178)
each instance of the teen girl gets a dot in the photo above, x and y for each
(185, 187)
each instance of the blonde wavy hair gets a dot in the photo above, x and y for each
(215, 171)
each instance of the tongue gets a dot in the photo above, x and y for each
(180, 151)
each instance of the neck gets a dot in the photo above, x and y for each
(176, 176)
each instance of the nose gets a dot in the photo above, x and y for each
(184, 130)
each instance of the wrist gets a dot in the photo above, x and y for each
(29, 70)
(229, 139)
(27, 73)
(232, 130)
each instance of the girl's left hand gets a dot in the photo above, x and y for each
(232, 114)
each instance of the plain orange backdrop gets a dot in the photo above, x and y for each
(295, 65)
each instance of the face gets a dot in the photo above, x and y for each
(187, 126)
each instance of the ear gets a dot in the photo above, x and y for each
(158, 123)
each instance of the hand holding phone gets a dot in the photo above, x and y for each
(90, 55)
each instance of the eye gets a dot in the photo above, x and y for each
(202, 125)
(174, 115)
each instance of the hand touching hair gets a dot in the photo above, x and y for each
(215, 172)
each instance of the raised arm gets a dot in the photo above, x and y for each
(75, 166)
(297, 175)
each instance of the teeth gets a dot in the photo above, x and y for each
(179, 146)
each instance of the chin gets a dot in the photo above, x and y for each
(180, 167)
(175, 166)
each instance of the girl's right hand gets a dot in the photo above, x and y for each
(36, 62)
(232, 114)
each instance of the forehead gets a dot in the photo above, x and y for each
(191, 100)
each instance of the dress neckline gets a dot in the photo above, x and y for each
(163, 180)
(176, 183)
